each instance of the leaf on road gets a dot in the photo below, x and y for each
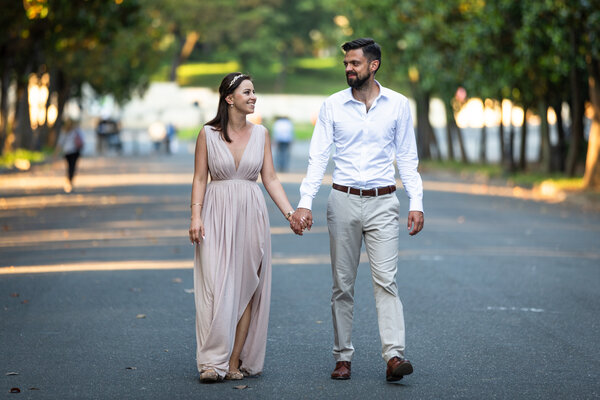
(15, 390)
(135, 289)
(140, 316)
(25, 302)
(14, 294)
(177, 280)
(34, 388)
(241, 387)
(188, 290)
(319, 322)
(131, 368)
(6, 228)
(12, 373)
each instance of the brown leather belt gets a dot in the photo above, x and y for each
(365, 192)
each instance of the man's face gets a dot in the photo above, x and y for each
(358, 68)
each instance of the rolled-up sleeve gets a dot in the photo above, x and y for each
(320, 147)
(407, 158)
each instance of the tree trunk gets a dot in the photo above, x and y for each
(501, 139)
(483, 144)
(63, 87)
(5, 84)
(451, 120)
(22, 124)
(461, 142)
(177, 60)
(512, 166)
(591, 179)
(560, 151)
(544, 156)
(577, 110)
(449, 129)
(523, 149)
(423, 125)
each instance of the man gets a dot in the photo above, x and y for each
(283, 133)
(370, 127)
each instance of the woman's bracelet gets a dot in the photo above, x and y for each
(195, 204)
(289, 214)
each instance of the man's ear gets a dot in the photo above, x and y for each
(374, 65)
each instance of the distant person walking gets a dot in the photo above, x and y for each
(70, 143)
(370, 127)
(283, 133)
(108, 134)
(231, 232)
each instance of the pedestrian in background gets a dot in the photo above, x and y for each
(70, 143)
(231, 232)
(108, 132)
(283, 133)
(370, 127)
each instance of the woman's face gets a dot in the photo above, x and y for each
(243, 97)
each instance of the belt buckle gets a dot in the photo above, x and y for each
(360, 192)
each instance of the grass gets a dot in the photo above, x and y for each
(21, 159)
(304, 76)
(495, 171)
(308, 75)
(486, 170)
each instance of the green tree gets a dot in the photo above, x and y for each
(110, 45)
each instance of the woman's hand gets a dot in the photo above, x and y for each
(196, 230)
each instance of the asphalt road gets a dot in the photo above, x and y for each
(500, 294)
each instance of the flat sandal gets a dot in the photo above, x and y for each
(234, 376)
(209, 376)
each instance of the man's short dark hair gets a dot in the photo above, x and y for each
(370, 48)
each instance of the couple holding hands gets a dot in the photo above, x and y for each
(370, 127)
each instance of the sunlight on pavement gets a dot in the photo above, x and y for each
(436, 255)
(115, 238)
(158, 179)
(64, 200)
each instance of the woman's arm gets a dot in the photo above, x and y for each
(198, 188)
(271, 182)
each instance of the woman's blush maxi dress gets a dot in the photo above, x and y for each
(232, 265)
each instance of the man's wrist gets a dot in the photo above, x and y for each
(305, 202)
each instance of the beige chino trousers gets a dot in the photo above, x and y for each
(350, 218)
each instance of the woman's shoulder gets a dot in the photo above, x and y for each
(260, 128)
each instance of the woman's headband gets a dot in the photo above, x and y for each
(234, 79)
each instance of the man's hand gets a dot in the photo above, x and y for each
(300, 220)
(416, 220)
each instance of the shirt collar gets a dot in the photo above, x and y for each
(348, 94)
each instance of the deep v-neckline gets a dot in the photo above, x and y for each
(236, 167)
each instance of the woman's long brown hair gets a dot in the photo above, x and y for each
(228, 86)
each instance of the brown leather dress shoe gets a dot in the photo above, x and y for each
(397, 368)
(341, 371)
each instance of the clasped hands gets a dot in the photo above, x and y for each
(300, 220)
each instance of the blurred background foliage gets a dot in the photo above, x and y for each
(539, 54)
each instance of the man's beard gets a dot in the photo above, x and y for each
(356, 83)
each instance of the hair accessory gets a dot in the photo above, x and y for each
(234, 79)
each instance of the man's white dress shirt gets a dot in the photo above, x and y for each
(366, 145)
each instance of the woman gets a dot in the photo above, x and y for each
(70, 142)
(230, 227)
